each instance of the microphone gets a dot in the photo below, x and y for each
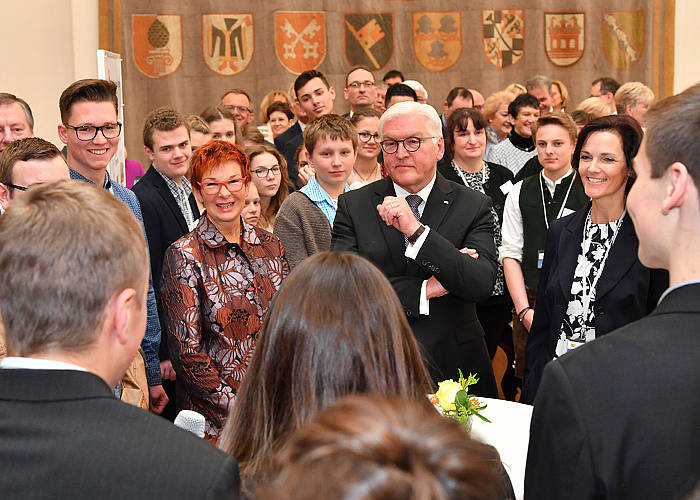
(190, 421)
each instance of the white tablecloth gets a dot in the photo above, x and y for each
(509, 433)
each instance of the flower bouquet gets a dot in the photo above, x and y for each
(453, 400)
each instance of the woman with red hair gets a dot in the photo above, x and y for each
(218, 281)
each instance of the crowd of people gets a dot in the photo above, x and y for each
(304, 283)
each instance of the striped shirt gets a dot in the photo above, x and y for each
(321, 198)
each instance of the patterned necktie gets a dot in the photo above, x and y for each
(414, 202)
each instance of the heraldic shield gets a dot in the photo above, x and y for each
(157, 44)
(369, 39)
(504, 36)
(437, 39)
(227, 42)
(564, 37)
(623, 37)
(300, 40)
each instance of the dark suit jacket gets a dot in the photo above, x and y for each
(620, 417)
(287, 143)
(626, 290)
(458, 217)
(64, 435)
(164, 224)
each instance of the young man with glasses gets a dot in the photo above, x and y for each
(360, 91)
(416, 226)
(168, 207)
(237, 101)
(90, 131)
(305, 219)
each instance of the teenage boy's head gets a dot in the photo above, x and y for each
(314, 93)
(331, 142)
(166, 141)
(554, 135)
(525, 110)
(89, 126)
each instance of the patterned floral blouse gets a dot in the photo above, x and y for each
(215, 295)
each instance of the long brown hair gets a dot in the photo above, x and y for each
(336, 327)
(268, 215)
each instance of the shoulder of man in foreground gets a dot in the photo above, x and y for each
(617, 418)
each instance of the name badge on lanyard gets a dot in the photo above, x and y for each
(563, 203)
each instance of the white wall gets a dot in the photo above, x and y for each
(46, 46)
(686, 67)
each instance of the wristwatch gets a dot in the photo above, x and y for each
(412, 239)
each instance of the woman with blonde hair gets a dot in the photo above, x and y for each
(496, 113)
(336, 328)
(560, 96)
(270, 97)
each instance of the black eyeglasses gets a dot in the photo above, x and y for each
(89, 132)
(366, 136)
(15, 186)
(410, 144)
(264, 172)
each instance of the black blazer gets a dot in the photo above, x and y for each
(626, 290)
(498, 175)
(64, 435)
(162, 219)
(287, 143)
(620, 417)
(458, 217)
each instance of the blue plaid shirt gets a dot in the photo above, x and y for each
(321, 198)
(151, 340)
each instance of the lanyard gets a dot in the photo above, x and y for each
(563, 204)
(588, 288)
(464, 179)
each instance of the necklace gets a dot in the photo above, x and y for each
(355, 173)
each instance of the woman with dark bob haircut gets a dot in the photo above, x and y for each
(380, 448)
(592, 281)
(336, 327)
(466, 142)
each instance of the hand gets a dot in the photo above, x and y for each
(396, 212)
(527, 319)
(471, 252)
(166, 370)
(304, 174)
(434, 289)
(159, 399)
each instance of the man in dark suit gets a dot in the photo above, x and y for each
(315, 96)
(71, 334)
(416, 226)
(619, 417)
(168, 207)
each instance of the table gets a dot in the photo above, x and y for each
(509, 433)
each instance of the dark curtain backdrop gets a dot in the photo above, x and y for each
(186, 53)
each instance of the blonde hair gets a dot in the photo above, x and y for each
(495, 101)
(594, 106)
(631, 94)
(269, 99)
(563, 91)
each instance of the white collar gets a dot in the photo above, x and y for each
(423, 193)
(553, 184)
(37, 364)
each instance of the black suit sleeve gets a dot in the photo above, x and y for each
(538, 350)
(466, 278)
(151, 223)
(559, 458)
